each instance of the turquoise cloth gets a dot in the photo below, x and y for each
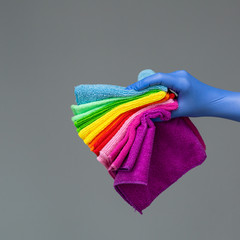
(86, 93)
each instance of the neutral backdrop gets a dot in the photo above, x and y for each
(51, 185)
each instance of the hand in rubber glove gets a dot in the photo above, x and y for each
(196, 99)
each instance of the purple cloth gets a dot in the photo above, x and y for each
(168, 150)
(142, 146)
(121, 151)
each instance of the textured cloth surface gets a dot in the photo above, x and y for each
(121, 150)
(91, 131)
(101, 140)
(104, 91)
(86, 118)
(110, 128)
(109, 147)
(107, 134)
(177, 148)
(144, 138)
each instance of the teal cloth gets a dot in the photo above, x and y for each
(86, 93)
(86, 118)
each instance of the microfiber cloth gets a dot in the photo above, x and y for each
(181, 149)
(119, 153)
(86, 118)
(140, 139)
(103, 138)
(142, 145)
(111, 129)
(144, 138)
(119, 121)
(91, 131)
(105, 91)
(107, 135)
(103, 157)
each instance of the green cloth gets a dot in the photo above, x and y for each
(87, 117)
(82, 108)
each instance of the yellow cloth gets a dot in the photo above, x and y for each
(91, 131)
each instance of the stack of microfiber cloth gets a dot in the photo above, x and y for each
(142, 156)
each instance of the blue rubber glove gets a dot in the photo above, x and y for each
(195, 98)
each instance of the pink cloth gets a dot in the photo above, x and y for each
(142, 148)
(103, 157)
(121, 150)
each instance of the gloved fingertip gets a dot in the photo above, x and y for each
(135, 86)
(130, 87)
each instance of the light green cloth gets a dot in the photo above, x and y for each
(94, 111)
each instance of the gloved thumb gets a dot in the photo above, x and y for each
(149, 78)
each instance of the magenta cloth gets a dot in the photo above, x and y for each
(142, 145)
(129, 162)
(169, 150)
(120, 152)
(104, 154)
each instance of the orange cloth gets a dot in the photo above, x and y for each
(103, 135)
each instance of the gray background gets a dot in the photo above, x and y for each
(51, 186)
